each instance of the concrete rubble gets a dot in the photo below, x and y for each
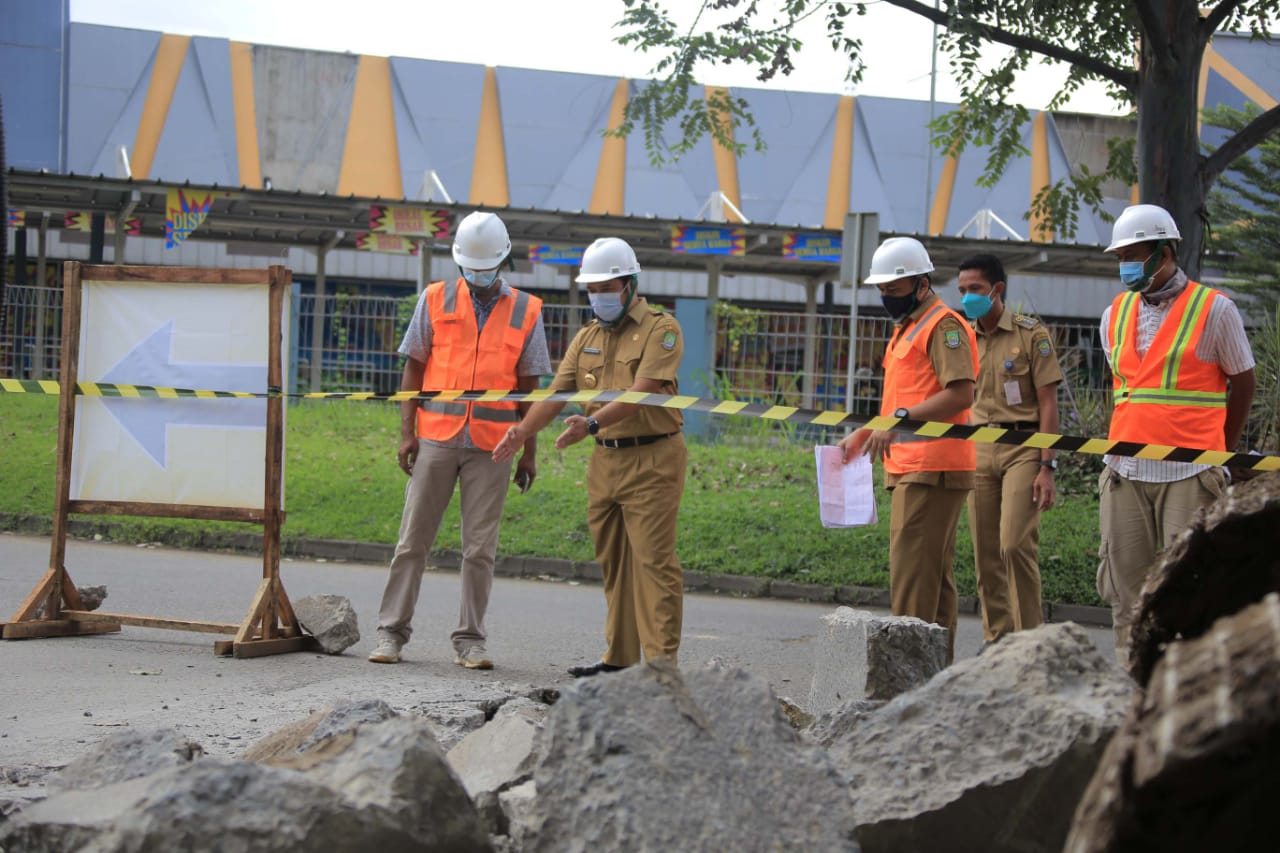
(862, 655)
(1196, 764)
(330, 619)
(987, 753)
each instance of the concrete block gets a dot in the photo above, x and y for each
(738, 585)
(801, 591)
(863, 655)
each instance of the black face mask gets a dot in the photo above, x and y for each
(900, 306)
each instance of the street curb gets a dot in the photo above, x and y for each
(534, 568)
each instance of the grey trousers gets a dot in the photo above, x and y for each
(1137, 521)
(483, 484)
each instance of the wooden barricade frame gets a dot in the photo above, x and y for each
(54, 608)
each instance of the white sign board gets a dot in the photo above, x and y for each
(184, 451)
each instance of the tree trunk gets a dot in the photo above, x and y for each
(1169, 159)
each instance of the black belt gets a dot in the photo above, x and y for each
(635, 441)
(1018, 425)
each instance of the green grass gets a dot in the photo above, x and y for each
(749, 508)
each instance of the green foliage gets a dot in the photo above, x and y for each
(749, 507)
(989, 46)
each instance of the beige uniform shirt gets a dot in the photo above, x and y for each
(1015, 361)
(645, 344)
(950, 363)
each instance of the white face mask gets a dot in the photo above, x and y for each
(480, 279)
(607, 306)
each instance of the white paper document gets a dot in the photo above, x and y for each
(846, 493)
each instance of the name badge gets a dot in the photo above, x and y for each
(1013, 393)
(591, 351)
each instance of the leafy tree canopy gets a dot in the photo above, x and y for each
(1146, 52)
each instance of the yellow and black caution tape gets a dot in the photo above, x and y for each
(789, 414)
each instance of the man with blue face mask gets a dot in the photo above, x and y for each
(1182, 375)
(476, 332)
(1018, 377)
(635, 478)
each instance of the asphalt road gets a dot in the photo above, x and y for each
(57, 695)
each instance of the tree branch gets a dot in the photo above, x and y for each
(1125, 79)
(1238, 144)
(1209, 23)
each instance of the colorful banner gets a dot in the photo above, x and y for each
(17, 218)
(700, 240)
(185, 210)
(393, 243)
(799, 246)
(83, 221)
(412, 221)
(565, 257)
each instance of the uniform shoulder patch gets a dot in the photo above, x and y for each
(951, 337)
(669, 341)
(1044, 347)
(1026, 322)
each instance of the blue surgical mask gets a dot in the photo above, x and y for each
(1133, 274)
(975, 305)
(480, 279)
(607, 306)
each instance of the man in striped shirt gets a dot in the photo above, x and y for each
(1183, 376)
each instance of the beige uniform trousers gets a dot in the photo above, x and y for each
(922, 550)
(633, 498)
(1005, 525)
(1139, 520)
(483, 484)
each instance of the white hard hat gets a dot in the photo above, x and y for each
(1143, 223)
(897, 258)
(606, 259)
(481, 242)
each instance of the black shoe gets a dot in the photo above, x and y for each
(593, 669)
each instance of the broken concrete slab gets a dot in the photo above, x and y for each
(863, 655)
(1197, 762)
(323, 724)
(123, 756)
(497, 755)
(992, 753)
(622, 754)
(1225, 561)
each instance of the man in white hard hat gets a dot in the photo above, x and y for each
(1183, 376)
(476, 332)
(930, 367)
(635, 478)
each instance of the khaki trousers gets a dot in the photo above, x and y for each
(483, 484)
(633, 498)
(1137, 521)
(922, 549)
(1005, 524)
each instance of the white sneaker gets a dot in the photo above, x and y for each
(474, 657)
(387, 651)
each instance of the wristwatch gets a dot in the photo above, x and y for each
(593, 426)
(1051, 464)
(901, 413)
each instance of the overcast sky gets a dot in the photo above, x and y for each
(561, 35)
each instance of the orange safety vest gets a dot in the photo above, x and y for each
(463, 358)
(1169, 396)
(909, 379)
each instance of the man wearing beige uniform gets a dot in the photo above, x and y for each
(1018, 376)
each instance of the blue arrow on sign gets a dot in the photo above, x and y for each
(147, 420)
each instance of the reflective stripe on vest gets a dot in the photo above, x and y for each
(1168, 396)
(464, 357)
(909, 380)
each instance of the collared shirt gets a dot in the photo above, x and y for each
(645, 344)
(1015, 360)
(950, 364)
(534, 358)
(1224, 342)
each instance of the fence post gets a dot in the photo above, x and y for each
(698, 365)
